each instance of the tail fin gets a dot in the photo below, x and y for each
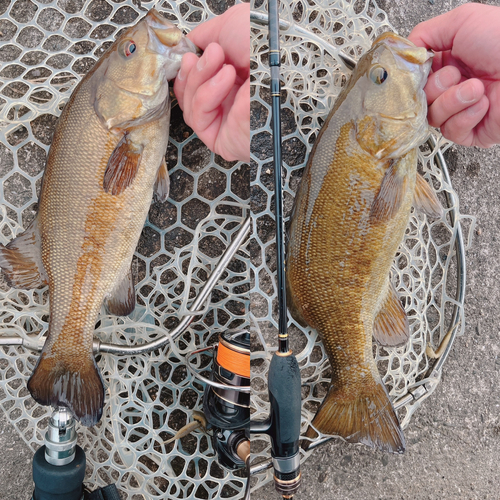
(73, 383)
(367, 418)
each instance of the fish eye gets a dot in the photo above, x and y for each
(378, 75)
(130, 48)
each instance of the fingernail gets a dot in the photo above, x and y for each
(180, 75)
(444, 80)
(466, 92)
(202, 62)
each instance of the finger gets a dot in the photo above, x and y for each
(206, 67)
(210, 30)
(234, 137)
(207, 101)
(188, 62)
(454, 100)
(460, 127)
(219, 28)
(439, 32)
(440, 81)
(488, 131)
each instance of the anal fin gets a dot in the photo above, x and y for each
(162, 184)
(21, 260)
(426, 200)
(391, 327)
(122, 167)
(122, 299)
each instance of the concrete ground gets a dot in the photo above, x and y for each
(454, 439)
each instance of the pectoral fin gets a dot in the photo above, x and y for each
(391, 327)
(21, 260)
(122, 299)
(390, 196)
(123, 165)
(426, 200)
(162, 184)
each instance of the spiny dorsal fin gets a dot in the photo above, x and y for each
(21, 260)
(162, 184)
(122, 167)
(391, 327)
(390, 196)
(426, 200)
(122, 299)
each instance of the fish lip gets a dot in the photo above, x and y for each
(401, 118)
(156, 21)
(407, 55)
(166, 39)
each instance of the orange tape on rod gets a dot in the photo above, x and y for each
(233, 361)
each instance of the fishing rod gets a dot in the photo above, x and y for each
(284, 384)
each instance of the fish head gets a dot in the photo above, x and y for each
(392, 118)
(131, 84)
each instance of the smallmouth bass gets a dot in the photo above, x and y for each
(349, 218)
(106, 159)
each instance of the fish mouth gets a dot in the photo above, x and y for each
(166, 38)
(406, 54)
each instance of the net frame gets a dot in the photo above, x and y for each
(45, 49)
(429, 269)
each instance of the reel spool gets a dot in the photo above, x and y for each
(429, 270)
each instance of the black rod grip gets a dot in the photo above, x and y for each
(285, 398)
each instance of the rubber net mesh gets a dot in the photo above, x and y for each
(45, 49)
(424, 270)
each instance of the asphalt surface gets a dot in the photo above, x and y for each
(453, 441)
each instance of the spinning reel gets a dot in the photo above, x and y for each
(226, 401)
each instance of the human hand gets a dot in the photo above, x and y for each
(214, 90)
(463, 92)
